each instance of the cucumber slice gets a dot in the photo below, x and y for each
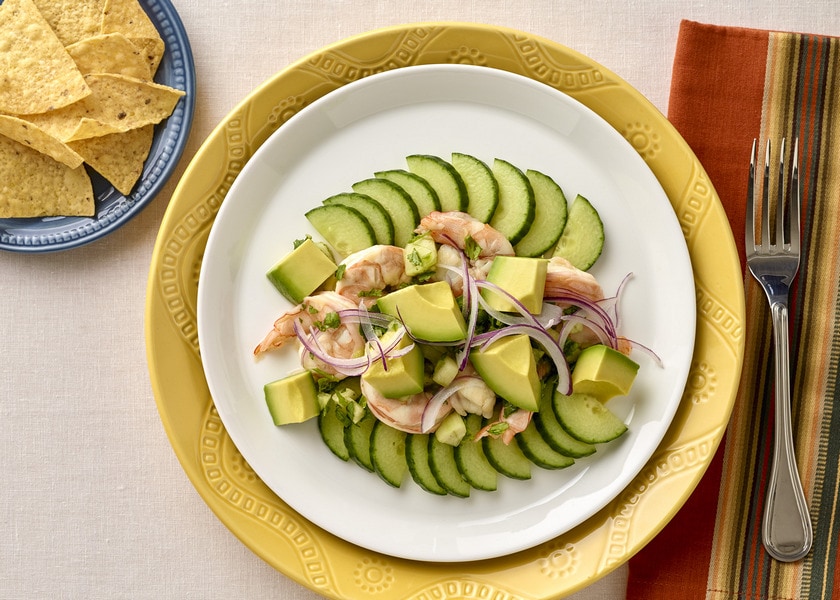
(424, 196)
(515, 211)
(377, 217)
(387, 453)
(445, 470)
(587, 419)
(582, 240)
(550, 214)
(417, 459)
(539, 452)
(357, 440)
(396, 202)
(471, 461)
(482, 187)
(444, 179)
(331, 429)
(343, 228)
(552, 432)
(507, 459)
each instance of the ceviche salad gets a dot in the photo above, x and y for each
(448, 328)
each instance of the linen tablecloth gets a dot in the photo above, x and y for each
(94, 503)
(731, 85)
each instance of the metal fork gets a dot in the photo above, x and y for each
(786, 530)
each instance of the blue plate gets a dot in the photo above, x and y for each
(177, 70)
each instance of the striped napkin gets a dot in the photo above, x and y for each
(731, 85)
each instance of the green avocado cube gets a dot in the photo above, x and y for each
(403, 376)
(429, 311)
(301, 271)
(420, 255)
(509, 368)
(521, 277)
(603, 372)
(292, 399)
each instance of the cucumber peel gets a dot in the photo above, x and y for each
(582, 240)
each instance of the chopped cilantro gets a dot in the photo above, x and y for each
(498, 428)
(299, 242)
(471, 248)
(414, 258)
(339, 272)
(371, 294)
(508, 409)
(332, 320)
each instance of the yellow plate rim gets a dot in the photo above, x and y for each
(329, 565)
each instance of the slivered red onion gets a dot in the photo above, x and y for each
(544, 339)
(600, 333)
(349, 366)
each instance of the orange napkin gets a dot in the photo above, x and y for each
(731, 85)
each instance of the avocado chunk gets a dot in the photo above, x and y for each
(451, 430)
(301, 271)
(404, 375)
(292, 399)
(420, 255)
(508, 366)
(521, 277)
(602, 372)
(429, 311)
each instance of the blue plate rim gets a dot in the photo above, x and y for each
(177, 69)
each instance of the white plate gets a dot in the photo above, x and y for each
(372, 125)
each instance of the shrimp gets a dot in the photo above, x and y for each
(562, 277)
(453, 228)
(343, 341)
(449, 268)
(405, 414)
(371, 271)
(516, 422)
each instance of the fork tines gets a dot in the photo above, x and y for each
(786, 222)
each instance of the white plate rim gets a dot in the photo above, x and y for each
(443, 546)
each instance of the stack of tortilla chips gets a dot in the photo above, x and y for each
(75, 87)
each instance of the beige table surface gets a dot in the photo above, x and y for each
(93, 502)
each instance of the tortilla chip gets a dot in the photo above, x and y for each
(72, 20)
(36, 72)
(39, 140)
(34, 185)
(117, 103)
(110, 53)
(118, 157)
(129, 18)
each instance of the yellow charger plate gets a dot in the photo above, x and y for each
(338, 569)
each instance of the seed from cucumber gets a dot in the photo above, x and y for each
(444, 179)
(445, 470)
(482, 187)
(550, 214)
(396, 202)
(331, 429)
(377, 217)
(417, 459)
(471, 460)
(387, 453)
(582, 240)
(539, 452)
(515, 210)
(343, 228)
(585, 418)
(424, 196)
(357, 440)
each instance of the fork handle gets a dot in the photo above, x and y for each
(786, 532)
